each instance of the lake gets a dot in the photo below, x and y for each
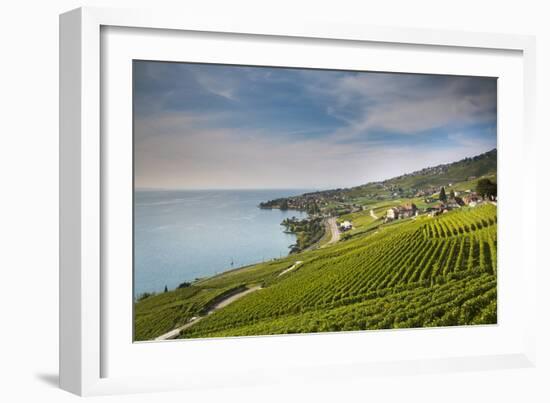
(183, 235)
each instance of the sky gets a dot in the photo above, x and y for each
(206, 126)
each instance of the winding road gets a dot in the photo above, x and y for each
(172, 334)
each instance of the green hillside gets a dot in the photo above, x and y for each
(418, 272)
(441, 175)
(336, 202)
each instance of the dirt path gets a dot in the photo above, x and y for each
(172, 334)
(373, 215)
(299, 262)
(223, 303)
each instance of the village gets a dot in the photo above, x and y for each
(347, 212)
(435, 202)
(444, 205)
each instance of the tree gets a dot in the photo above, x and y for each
(486, 188)
(452, 195)
(165, 288)
(442, 195)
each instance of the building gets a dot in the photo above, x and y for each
(408, 210)
(432, 211)
(392, 214)
(454, 202)
(345, 226)
(405, 211)
(472, 200)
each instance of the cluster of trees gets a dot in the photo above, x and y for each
(298, 203)
(145, 295)
(486, 188)
(308, 231)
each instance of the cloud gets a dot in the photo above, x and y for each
(412, 104)
(208, 126)
(221, 158)
(223, 86)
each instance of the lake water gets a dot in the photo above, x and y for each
(182, 235)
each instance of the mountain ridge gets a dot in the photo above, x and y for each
(479, 165)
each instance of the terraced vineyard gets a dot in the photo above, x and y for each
(424, 272)
(410, 273)
(163, 312)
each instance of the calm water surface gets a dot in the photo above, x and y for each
(182, 235)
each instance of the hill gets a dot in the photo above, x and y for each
(441, 175)
(425, 181)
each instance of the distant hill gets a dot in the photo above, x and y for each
(463, 170)
(423, 182)
(440, 175)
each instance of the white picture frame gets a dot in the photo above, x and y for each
(89, 318)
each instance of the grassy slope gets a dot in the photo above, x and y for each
(459, 171)
(481, 165)
(363, 221)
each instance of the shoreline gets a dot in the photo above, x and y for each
(199, 280)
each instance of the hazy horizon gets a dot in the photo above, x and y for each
(144, 189)
(218, 127)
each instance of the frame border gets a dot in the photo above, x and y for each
(80, 306)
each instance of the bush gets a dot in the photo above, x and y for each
(145, 295)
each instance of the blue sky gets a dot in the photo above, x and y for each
(213, 126)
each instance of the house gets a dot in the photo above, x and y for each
(345, 226)
(441, 208)
(408, 210)
(473, 199)
(454, 202)
(392, 214)
(405, 211)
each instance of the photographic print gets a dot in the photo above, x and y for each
(271, 200)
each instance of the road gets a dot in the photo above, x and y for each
(172, 334)
(334, 231)
(373, 215)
